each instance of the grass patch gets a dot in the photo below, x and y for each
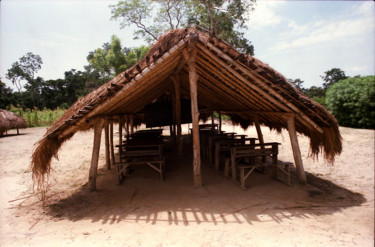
(38, 118)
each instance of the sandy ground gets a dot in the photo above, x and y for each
(336, 209)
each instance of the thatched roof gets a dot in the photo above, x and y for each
(9, 120)
(231, 82)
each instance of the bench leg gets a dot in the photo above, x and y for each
(233, 164)
(243, 180)
(226, 169)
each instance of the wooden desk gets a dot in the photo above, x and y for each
(224, 146)
(149, 154)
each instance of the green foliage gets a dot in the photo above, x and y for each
(332, 76)
(24, 69)
(297, 83)
(170, 14)
(224, 18)
(352, 102)
(35, 117)
(112, 59)
(6, 96)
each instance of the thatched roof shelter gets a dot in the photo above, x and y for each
(214, 76)
(10, 120)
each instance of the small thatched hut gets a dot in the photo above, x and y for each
(189, 64)
(9, 120)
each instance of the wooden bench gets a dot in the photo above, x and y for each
(246, 170)
(224, 147)
(130, 154)
(254, 154)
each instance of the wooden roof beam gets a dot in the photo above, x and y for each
(271, 91)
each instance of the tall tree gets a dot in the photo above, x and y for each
(112, 59)
(224, 18)
(332, 76)
(24, 69)
(297, 83)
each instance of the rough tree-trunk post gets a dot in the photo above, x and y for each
(193, 78)
(177, 109)
(127, 128)
(95, 154)
(111, 141)
(120, 124)
(131, 124)
(260, 135)
(220, 122)
(106, 137)
(296, 151)
(173, 97)
(212, 121)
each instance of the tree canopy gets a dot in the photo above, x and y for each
(24, 69)
(224, 18)
(112, 58)
(352, 102)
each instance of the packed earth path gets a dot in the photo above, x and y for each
(335, 209)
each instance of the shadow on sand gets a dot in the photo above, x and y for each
(11, 135)
(142, 197)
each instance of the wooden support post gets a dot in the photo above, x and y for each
(106, 137)
(131, 124)
(212, 121)
(296, 151)
(193, 78)
(220, 122)
(18, 131)
(120, 124)
(111, 141)
(260, 135)
(177, 109)
(127, 128)
(95, 154)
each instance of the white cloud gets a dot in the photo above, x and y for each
(359, 23)
(264, 14)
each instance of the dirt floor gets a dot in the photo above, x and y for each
(336, 209)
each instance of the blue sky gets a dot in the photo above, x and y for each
(298, 39)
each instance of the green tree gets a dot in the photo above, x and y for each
(297, 83)
(225, 18)
(112, 59)
(352, 102)
(220, 17)
(24, 69)
(332, 76)
(64, 92)
(6, 96)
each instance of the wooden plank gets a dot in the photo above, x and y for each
(193, 78)
(296, 151)
(95, 154)
(106, 137)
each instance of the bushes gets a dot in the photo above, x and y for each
(35, 117)
(352, 102)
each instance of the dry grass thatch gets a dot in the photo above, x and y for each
(9, 120)
(238, 85)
